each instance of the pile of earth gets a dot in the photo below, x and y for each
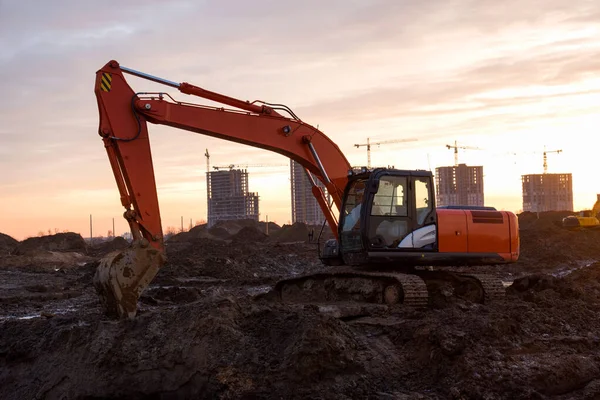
(546, 246)
(239, 259)
(301, 232)
(52, 252)
(297, 232)
(108, 246)
(226, 230)
(7, 244)
(61, 242)
(249, 234)
(197, 232)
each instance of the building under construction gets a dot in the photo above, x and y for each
(228, 196)
(304, 205)
(460, 185)
(547, 192)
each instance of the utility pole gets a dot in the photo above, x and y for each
(91, 234)
(114, 227)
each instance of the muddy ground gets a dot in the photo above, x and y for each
(204, 329)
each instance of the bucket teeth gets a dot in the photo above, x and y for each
(122, 276)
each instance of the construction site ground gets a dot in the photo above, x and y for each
(205, 328)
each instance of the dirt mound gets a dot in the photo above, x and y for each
(41, 260)
(226, 229)
(7, 244)
(117, 243)
(61, 242)
(237, 260)
(221, 232)
(249, 234)
(235, 351)
(197, 232)
(296, 232)
(546, 247)
(549, 220)
(582, 284)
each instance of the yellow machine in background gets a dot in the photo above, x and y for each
(585, 219)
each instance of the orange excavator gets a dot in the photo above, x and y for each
(392, 244)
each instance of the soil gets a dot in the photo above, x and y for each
(205, 330)
(63, 242)
(7, 244)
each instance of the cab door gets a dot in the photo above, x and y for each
(400, 206)
(389, 218)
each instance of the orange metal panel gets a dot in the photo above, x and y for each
(452, 231)
(489, 232)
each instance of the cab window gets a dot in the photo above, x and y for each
(389, 221)
(390, 198)
(422, 200)
(353, 205)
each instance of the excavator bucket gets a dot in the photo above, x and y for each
(122, 276)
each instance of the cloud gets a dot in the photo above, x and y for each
(352, 67)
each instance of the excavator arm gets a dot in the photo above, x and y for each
(124, 114)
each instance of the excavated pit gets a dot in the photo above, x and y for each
(205, 330)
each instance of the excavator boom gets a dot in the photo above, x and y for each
(123, 127)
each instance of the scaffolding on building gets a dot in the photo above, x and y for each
(460, 185)
(229, 198)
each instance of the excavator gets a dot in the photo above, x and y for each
(392, 244)
(586, 219)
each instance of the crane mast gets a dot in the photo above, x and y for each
(456, 147)
(246, 166)
(368, 145)
(546, 158)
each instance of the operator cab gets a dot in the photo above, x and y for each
(385, 213)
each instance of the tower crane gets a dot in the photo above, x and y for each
(232, 166)
(207, 161)
(456, 147)
(368, 144)
(546, 158)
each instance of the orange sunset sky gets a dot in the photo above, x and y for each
(509, 77)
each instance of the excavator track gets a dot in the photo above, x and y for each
(493, 288)
(348, 285)
(417, 288)
(474, 287)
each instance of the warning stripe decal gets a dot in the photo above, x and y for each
(106, 82)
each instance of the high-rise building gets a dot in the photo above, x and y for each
(547, 192)
(304, 205)
(229, 198)
(460, 185)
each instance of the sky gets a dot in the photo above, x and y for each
(511, 78)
